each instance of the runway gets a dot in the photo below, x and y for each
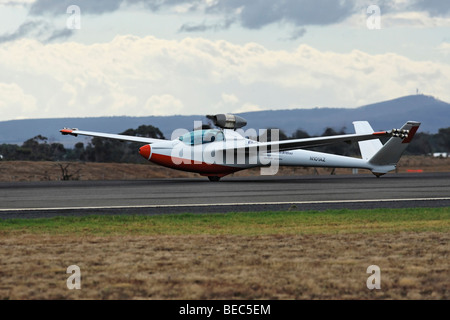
(161, 196)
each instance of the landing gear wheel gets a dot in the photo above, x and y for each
(213, 178)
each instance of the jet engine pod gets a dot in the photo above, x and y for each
(228, 121)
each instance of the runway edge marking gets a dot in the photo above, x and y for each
(221, 204)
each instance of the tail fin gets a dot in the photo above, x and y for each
(384, 158)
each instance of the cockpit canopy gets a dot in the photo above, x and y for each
(202, 136)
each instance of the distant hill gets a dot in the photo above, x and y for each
(431, 112)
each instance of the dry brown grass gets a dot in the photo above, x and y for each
(44, 171)
(331, 266)
(50, 171)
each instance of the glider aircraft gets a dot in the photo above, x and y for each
(216, 153)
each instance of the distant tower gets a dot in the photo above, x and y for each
(417, 91)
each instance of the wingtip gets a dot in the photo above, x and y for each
(66, 131)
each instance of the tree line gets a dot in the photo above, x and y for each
(38, 148)
(422, 144)
(97, 150)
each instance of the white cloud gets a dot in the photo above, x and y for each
(444, 48)
(15, 2)
(161, 106)
(15, 103)
(139, 76)
(227, 102)
(247, 107)
(413, 19)
(394, 14)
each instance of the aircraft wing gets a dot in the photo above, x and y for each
(76, 132)
(285, 145)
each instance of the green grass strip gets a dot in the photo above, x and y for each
(239, 223)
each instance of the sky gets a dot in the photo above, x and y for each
(84, 58)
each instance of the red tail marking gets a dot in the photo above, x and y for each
(411, 134)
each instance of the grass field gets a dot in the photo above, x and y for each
(243, 224)
(260, 255)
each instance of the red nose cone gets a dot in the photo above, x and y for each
(145, 151)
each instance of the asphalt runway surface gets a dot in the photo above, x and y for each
(259, 193)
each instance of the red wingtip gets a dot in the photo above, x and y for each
(66, 131)
(145, 151)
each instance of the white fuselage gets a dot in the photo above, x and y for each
(235, 153)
